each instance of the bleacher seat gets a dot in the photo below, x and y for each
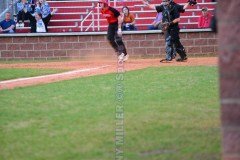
(71, 13)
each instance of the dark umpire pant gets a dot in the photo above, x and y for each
(114, 40)
(172, 39)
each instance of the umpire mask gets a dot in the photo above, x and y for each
(165, 2)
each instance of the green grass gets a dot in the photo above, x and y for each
(171, 113)
(12, 73)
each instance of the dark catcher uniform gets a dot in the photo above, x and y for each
(111, 14)
(170, 13)
(179, 7)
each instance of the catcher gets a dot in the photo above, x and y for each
(171, 17)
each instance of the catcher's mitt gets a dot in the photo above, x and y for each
(165, 26)
(192, 2)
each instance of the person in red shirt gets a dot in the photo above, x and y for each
(205, 19)
(114, 33)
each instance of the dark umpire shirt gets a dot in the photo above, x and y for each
(173, 14)
(111, 14)
(179, 7)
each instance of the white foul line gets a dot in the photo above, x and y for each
(54, 75)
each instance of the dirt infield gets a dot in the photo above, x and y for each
(90, 68)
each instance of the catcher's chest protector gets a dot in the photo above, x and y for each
(166, 13)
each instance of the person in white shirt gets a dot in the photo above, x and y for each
(43, 7)
(40, 26)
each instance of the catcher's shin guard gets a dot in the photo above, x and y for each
(169, 48)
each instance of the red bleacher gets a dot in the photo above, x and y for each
(71, 13)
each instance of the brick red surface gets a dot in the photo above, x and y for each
(62, 22)
(230, 158)
(231, 141)
(7, 54)
(138, 45)
(46, 54)
(231, 116)
(229, 85)
(229, 52)
(3, 46)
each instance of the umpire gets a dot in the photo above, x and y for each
(171, 18)
(181, 9)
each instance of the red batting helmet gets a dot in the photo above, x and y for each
(103, 1)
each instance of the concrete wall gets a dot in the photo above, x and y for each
(89, 46)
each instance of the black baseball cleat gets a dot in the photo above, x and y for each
(182, 59)
(173, 56)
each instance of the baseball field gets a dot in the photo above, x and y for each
(67, 110)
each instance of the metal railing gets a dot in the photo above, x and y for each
(10, 7)
(91, 13)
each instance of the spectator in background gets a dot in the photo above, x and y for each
(22, 8)
(156, 24)
(32, 22)
(8, 25)
(40, 26)
(43, 7)
(32, 5)
(205, 19)
(128, 19)
(213, 24)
